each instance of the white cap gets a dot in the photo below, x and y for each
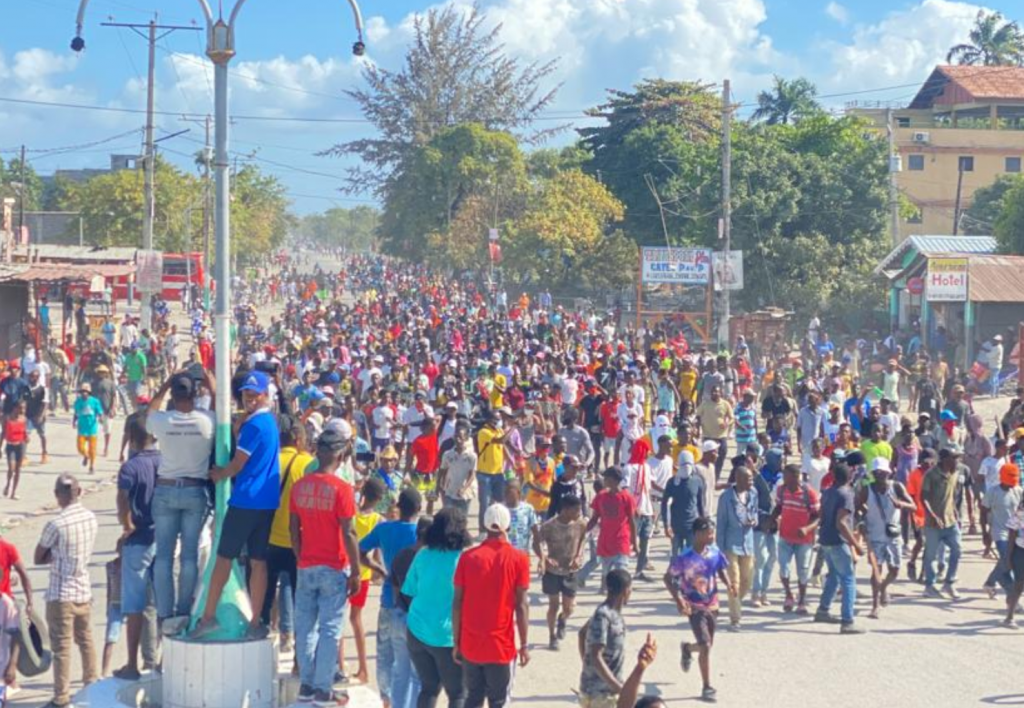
(497, 518)
(341, 427)
(662, 421)
(881, 463)
(378, 359)
(709, 446)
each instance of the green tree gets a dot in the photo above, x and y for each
(987, 204)
(991, 42)
(455, 72)
(565, 233)
(460, 163)
(354, 228)
(1009, 227)
(259, 214)
(12, 179)
(787, 102)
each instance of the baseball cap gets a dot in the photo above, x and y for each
(87, 387)
(880, 463)
(331, 439)
(709, 446)
(497, 518)
(947, 415)
(14, 364)
(341, 427)
(182, 385)
(256, 381)
(951, 450)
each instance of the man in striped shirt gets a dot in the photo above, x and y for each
(745, 416)
(66, 545)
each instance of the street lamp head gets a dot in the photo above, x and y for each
(359, 49)
(77, 44)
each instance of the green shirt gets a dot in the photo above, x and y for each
(938, 489)
(873, 450)
(135, 366)
(87, 415)
(431, 585)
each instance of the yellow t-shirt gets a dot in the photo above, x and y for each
(293, 463)
(677, 448)
(364, 524)
(688, 384)
(491, 456)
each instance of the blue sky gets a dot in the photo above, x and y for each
(297, 63)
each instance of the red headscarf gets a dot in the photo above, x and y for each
(640, 452)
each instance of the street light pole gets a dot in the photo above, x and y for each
(220, 48)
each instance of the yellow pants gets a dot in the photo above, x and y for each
(741, 576)
(87, 447)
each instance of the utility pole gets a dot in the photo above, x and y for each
(723, 325)
(207, 213)
(894, 168)
(149, 159)
(21, 195)
(959, 189)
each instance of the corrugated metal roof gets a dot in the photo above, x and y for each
(934, 245)
(52, 272)
(76, 253)
(996, 279)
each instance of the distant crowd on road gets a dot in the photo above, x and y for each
(400, 431)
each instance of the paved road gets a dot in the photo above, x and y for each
(920, 651)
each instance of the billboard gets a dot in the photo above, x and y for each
(728, 271)
(679, 266)
(947, 280)
(149, 274)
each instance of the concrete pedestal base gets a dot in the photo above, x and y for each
(219, 674)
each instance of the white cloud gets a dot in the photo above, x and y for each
(837, 12)
(900, 49)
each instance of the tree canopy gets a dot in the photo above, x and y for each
(787, 101)
(455, 72)
(992, 41)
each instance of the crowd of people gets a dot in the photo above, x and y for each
(399, 429)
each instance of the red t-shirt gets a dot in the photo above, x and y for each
(9, 557)
(614, 510)
(425, 453)
(797, 510)
(610, 425)
(321, 501)
(15, 431)
(489, 576)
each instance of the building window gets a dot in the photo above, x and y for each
(1012, 164)
(915, 163)
(966, 163)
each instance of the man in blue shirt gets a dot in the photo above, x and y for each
(396, 679)
(255, 472)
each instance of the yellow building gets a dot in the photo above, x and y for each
(963, 129)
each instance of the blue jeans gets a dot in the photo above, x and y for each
(136, 577)
(840, 572)
(998, 574)
(319, 617)
(644, 527)
(934, 539)
(802, 553)
(492, 491)
(681, 540)
(177, 512)
(396, 676)
(766, 550)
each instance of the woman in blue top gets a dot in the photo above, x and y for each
(431, 585)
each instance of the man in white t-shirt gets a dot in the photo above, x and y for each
(180, 500)
(662, 471)
(383, 421)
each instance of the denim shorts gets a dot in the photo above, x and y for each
(888, 552)
(137, 577)
(115, 620)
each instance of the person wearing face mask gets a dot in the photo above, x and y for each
(255, 471)
(682, 503)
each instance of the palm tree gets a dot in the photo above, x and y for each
(786, 102)
(993, 42)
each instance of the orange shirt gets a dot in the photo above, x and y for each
(914, 482)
